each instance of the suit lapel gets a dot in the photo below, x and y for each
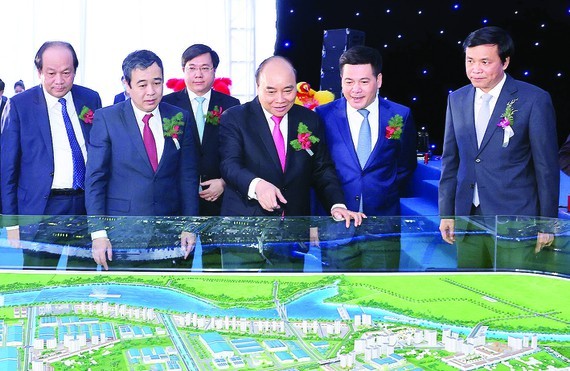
(132, 130)
(507, 94)
(384, 115)
(259, 125)
(343, 128)
(78, 103)
(42, 115)
(468, 116)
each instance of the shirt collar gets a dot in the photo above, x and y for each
(52, 101)
(372, 107)
(140, 114)
(495, 91)
(193, 95)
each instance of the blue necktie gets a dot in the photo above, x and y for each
(200, 122)
(364, 139)
(76, 154)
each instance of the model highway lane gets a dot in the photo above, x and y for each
(178, 342)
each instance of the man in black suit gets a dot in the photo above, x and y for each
(270, 156)
(199, 63)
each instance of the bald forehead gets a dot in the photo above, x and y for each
(277, 68)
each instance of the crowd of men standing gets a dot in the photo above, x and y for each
(201, 152)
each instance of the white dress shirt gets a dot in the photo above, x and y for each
(62, 158)
(207, 97)
(355, 121)
(495, 92)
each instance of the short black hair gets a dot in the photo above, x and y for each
(198, 49)
(264, 62)
(361, 54)
(141, 59)
(19, 83)
(2, 85)
(39, 62)
(491, 35)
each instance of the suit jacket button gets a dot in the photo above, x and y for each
(50, 174)
(357, 198)
(472, 186)
(478, 160)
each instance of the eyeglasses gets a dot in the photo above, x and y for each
(203, 69)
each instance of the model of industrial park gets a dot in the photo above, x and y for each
(136, 321)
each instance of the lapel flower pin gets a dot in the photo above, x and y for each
(86, 115)
(305, 139)
(394, 128)
(173, 127)
(507, 121)
(213, 116)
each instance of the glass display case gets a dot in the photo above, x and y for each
(285, 294)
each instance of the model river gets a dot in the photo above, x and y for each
(309, 306)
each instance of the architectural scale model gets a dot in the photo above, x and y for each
(136, 321)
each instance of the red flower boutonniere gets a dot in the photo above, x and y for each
(507, 121)
(394, 128)
(213, 116)
(86, 115)
(173, 127)
(305, 139)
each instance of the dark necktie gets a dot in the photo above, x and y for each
(150, 143)
(76, 154)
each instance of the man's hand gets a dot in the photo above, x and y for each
(314, 236)
(267, 195)
(447, 229)
(543, 240)
(214, 190)
(13, 236)
(187, 242)
(101, 250)
(340, 213)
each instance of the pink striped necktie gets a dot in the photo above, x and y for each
(149, 142)
(278, 140)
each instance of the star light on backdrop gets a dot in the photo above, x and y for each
(421, 45)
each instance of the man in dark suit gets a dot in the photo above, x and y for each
(267, 174)
(122, 96)
(199, 63)
(371, 177)
(373, 146)
(142, 159)
(500, 149)
(44, 140)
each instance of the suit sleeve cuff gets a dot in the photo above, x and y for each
(251, 190)
(342, 206)
(99, 234)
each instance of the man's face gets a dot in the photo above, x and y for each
(145, 88)
(199, 74)
(484, 66)
(57, 73)
(276, 88)
(359, 85)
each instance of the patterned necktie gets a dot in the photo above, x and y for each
(279, 141)
(200, 121)
(76, 154)
(480, 126)
(149, 142)
(364, 139)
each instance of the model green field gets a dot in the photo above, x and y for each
(511, 302)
